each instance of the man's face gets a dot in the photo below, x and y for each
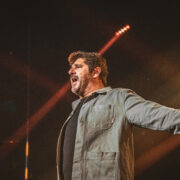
(79, 77)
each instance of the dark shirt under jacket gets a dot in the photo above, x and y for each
(69, 142)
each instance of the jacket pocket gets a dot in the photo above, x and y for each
(101, 165)
(101, 116)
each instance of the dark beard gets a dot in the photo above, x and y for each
(80, 91)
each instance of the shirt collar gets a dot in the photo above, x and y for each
(103, 90)
(99, 91)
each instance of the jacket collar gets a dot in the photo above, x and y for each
(99, 91)
(102, 90)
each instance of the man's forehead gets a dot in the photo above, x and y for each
(78, 61)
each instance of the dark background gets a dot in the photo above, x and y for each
(41, 34)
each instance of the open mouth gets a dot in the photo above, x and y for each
(74, 79)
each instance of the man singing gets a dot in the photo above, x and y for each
(96, 141)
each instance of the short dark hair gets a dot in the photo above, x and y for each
(92, 59)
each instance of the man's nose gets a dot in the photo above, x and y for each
(71, 71)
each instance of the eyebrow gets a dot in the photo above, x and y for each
(77, 65)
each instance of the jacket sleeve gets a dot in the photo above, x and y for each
(148, 114)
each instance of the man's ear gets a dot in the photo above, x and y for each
(96, 72)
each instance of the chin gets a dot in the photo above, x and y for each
(75, 91)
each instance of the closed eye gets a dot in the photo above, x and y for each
(78, 65)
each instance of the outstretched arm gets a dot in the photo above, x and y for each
(149, 114)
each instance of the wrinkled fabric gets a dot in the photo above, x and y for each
(104, 147)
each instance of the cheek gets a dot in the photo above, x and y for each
(84, 74)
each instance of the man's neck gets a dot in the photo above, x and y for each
(92, 88)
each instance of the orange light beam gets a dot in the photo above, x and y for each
(150, 157)
(27, 156)
(113, 39)
(36, 77)
(20, 133)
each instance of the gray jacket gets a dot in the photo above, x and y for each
(104, 148)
